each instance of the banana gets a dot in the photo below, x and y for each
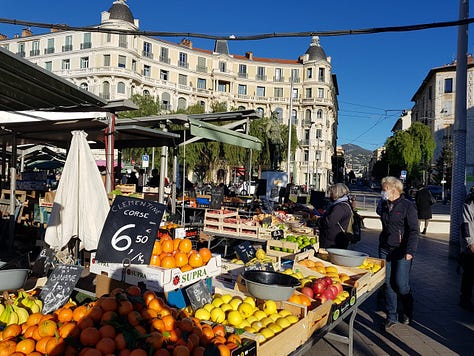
(13, 319)
(2, 308)
(35, 308)
(39, 303)
(22, 314)
(5, 316)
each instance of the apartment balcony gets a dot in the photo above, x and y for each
(147, 54)
(105, 96)
(164, 60)
(34, 52)
(86, 45)
(123, 44)
(185, 88)
(49, 50)
(201, 69)
(21, 53)
(260, 77)
(183, 64)
(243, 75)
(303, 142)
(279, 79)
(67, 48)
(203, 92)
(295, 80)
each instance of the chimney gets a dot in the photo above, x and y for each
(187, 42)
(26, 32)
(53, 29)
(3, 37)
(249, 55)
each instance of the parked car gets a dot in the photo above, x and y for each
(436, 191)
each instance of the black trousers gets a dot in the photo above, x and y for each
(467, 280)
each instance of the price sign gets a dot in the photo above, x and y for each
(245, 251)
(217, 197)
(277, 234)
(198, 294)
(129, 231)
(58, 288)
(260, 266)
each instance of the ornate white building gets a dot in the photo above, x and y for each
(117, 65)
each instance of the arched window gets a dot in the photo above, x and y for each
(294, 118)
(146, 92)
(307, 117)
(106, 90)
(84, 86)
(241, 108)
(202, 103)
(166, 101)
(260, 111)
(121, 88)
(182, 104)
(319, 114)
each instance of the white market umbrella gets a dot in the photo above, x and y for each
(81, 204)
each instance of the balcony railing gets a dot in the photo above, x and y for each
(49, 50)
(147, 54)
(21, 53)
(261, 77)
(201, 69)
(86, 45)
(165, 60)
(183, 64)
(34, 52)
(279, 79)
(67, 48)
(243, 75)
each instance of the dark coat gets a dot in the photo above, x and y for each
(423, 199)
(399, 226)
(330, 233)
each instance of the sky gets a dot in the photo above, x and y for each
(377, 74)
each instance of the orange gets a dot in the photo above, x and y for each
(223, 350)
(106, 346)
(181, 350)
(107, 331)
(69, 329)
(34, 319)
(156, 248)
(90, 336)
(304, 300)
(41, 344)
(186, 268)
(155, 260)
(45, 328)
(169, 322)
(11, 331)
(155, 340)
(26, 346)
(64, 315)
(181, 259)
(138, 352)
(195, 260)
(168, 262)
(156, 304)
(185, 245)
(134, 291)
(206, 254)
(167, 246)
(176, 243)
(79, 312)
(55, 346)
(295, 298)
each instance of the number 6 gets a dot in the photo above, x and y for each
(117, 238)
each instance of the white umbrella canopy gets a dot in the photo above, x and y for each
(81, 204)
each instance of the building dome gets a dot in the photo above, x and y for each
(315, 51)
(120, 11)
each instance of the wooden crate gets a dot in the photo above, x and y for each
(126, 188)
(271, 244)
(318, 318)
(379, 276)
(218, 215)
(249, 230)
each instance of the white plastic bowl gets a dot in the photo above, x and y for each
(12, 279)
(348, 258)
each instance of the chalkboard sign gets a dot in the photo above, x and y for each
(198, 294)
(43, 262)
(58, 288)
(260, 266)
(217, 197)
(129, 231)
(245, 251)
(277, 234)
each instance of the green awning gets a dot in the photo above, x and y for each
(221, 134)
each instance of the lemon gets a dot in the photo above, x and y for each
(275, 327)
(226, 298)
(292, 319)
(267, 332)
(299, 275)
(284, 312)
(235, 302)
(266, 321)
(331, 269)
(250, 300)
(283, 322)
(275, 316)
(217, 302)
(260, 254)
(208, 307)
(234, 318)
(243, 324)
(249, 329)
(259, 314)
(288, 271)
(257, 325)
(226, 307)
(251, 319)
(217, 315)
(245, 309)
(269, 307)
(202, 314)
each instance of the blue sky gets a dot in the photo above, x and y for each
(377, 73)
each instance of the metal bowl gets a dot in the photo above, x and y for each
(11, 279)
(270, 285)
(348, 258)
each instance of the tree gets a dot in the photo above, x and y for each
(444, 165)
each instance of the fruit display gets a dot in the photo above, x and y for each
(261, 318)
(124, 322)
(16, 308)
(259, 259)
(302, 242)
(370, 266)
(178, 253)
(328, 271)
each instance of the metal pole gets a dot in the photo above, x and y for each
(288, 158)
(458, 187)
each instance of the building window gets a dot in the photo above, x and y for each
(146, 92)
(320, 93)
(260, 91)
(147, 52)
(278, 75)
(108, 37)
(21, 49)
(164, 55)
(242, 89)
(242, 71)
(201, 66)
(106, 90)
(319, 133)
(183, 79)
(181, 104)
(295, 93)
(50, 48)
(448, 85)
(278, 93)
(222, 66)
(307, 117)
(84, 86)
(35, 50)
(86, 41)
(294, 117)
(201, 83)
(309, 73)
(123, 41)
(122, 61)
(319, 114)
(84, 62)
(183, 60)
(66, 64)
(295, 75)
(67, 44)
(306, 155)
(134, 65)
(321, 74)
(164, 74)
(309, 93)
(106, 60)
(48, 65)
(221, 86)
(146, 70)
(121, 88)
(261, 73)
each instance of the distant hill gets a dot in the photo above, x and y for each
(357, 157)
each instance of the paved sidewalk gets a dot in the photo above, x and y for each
(440, 327)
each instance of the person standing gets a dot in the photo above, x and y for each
(398, 242)
(335, 220)
(274, 140)
(467, 252)
(424, 200)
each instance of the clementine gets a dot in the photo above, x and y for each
(195, 260)
(167, 246)
(168, 262)
(185, 245)
(181, 259)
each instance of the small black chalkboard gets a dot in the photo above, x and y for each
(58, 288)
(277, 234)
(198, 294)
(245, 251)
(129, 231)
(260, 266)
(217, 198)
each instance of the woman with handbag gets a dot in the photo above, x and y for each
(424, 200)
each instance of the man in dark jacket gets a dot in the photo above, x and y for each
(424, 200)
(398, 242)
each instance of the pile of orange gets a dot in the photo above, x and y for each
(301, 299)
(178, 253)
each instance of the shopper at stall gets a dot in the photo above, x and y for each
(335, 220)
(397, 246)
(467, 253)
(424, 200)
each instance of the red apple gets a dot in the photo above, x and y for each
(334, 289)
(328, 281)
(339, 287)
(318, 286)
(307, 291)
(322, 298)
(329, 293)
